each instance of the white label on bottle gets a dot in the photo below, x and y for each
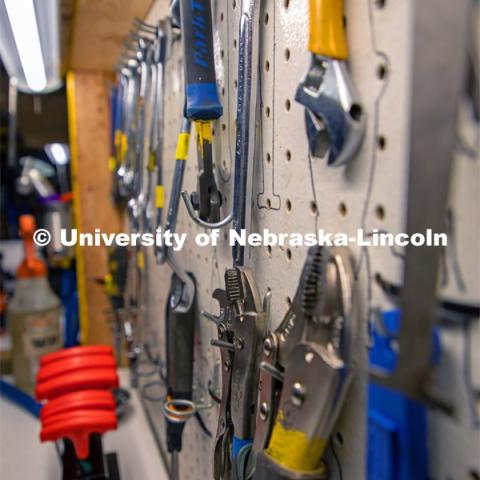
(41, 334)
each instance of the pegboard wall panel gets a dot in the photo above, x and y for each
(295, 193)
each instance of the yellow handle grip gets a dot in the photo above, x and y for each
(293, 449)
(327, 33)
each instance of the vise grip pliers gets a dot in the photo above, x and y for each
(240, 327)
(306, 368)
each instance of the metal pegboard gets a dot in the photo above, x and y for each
(293, 193)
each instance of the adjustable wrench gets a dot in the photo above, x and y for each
(335, 120)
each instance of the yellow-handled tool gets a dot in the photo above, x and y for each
(326, 29)
(335, 120)
(306, 369)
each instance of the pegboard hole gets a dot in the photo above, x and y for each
(380, 4)
(224, 127)
(221, 17)
(269, 158)
(356, 112)
(266, 18)
(381, 71)
(380, 212)
(288, 154)
(267, 65)
(286, 3)
(269, 250)
(339, 438)
(313, 207)
(288, 253)
(269, 203)
(381, 142)
(288, 204)
(342, 208)
(234, 43)
(223, 91)
(267, 111)
(289, 301)
(235, 84)
(287, 54)
(287, 105)
(222, 53)
(234, 4)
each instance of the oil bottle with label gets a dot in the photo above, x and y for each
(33, 314)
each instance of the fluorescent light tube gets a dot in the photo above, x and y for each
(21, 14)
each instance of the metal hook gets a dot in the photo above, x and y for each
(193, 215)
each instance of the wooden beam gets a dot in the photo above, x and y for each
(89, 127)
(99, 30)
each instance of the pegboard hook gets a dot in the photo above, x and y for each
(193, 215)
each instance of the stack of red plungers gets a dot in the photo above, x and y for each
(77, 384)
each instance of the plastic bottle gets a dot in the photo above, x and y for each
(33, 313)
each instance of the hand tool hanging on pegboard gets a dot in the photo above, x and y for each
(180, 321)
(139, 85)
(307, 367)
(202, 105)
(242, 321)
(116, 104)
(154, 200)
(180, 317)
(125, 138)
(334, 117)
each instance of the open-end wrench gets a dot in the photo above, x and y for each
(154, 201)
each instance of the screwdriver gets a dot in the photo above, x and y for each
(180, 327)
(180, 318)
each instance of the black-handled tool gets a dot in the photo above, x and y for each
(180, 328)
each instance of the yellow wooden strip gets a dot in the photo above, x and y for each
(80, 265)
(182, 146)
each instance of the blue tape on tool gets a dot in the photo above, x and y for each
(238, 444)
(397, 425)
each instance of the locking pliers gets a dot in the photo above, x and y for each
(306, 368)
